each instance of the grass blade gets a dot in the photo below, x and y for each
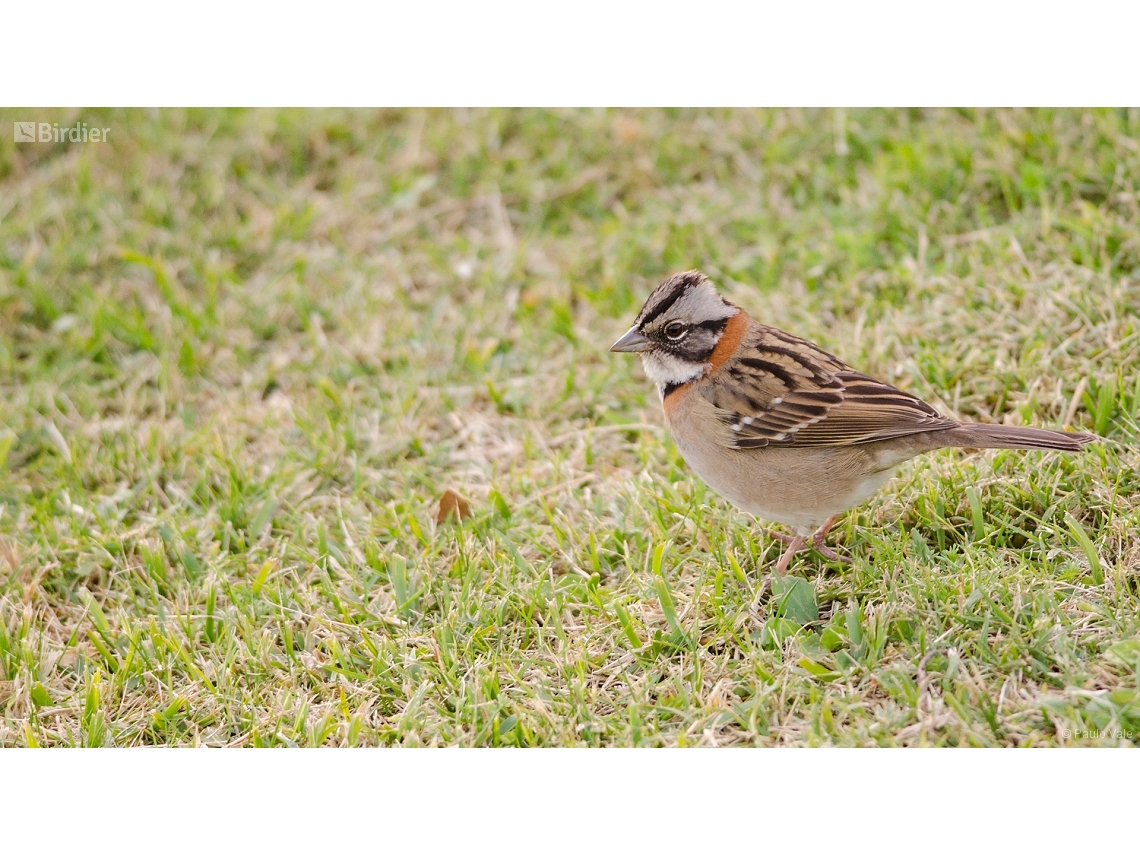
(1086, 543)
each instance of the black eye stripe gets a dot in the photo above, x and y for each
(713, 326)
(717, 325)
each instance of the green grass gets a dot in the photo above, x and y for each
(243, 353)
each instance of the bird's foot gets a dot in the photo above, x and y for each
(827, 552)
(796, 542)
(822, 548)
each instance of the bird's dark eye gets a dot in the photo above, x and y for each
(675, 330)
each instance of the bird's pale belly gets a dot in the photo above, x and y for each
(800, 487)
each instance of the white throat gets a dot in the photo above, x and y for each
(664, 369)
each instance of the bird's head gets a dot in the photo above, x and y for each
(678, 328)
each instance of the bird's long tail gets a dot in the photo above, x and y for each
(1006, 436)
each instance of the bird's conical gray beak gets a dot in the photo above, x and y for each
(632, 342)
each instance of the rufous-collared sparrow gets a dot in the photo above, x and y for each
(778, 426)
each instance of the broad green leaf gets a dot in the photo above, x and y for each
(795, 599)
(831, 640)
(776, 631)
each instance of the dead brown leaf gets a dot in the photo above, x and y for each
(452, 508)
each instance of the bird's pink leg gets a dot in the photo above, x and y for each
(786, 559)
(822, 548)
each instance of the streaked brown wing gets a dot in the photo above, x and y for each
(781, 390)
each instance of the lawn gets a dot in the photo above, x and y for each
(244, 353)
